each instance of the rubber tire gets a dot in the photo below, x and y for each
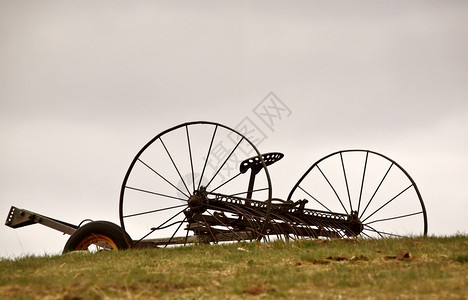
(105, 228)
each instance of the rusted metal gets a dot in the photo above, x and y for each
(169, 198)
(209, 216)
(18, 217)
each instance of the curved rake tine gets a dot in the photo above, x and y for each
(373, 230)
(276, 227)
(308, 228)
(305, 227)
(366, 235)
(294, 230)
(261, 218)
(271, 223)
(380, 232)
(247, 216)
(329, 229)
(186, 237)
(168, 242)
(223, 225)
(209, 229)
(290, 223)
(253, 215)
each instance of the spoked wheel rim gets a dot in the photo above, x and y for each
(96, 243)
(378, 190)
(160, 188)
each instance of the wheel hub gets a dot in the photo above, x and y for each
(198, 200)
(356, 227)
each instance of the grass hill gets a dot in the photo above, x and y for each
(410, 268)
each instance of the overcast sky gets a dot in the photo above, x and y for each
(85, 84)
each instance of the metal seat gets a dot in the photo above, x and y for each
(255, 163)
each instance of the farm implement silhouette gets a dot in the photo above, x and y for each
(203, 182)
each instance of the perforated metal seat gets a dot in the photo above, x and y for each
(255, 162)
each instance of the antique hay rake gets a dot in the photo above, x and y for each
(203, 182)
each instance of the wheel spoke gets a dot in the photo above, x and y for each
(225, 161)
(174, 164)
(155, 193)
(256, 190)
(154, 211)
(346, 181)
(227, 181)
(190, 154)
(387, 203)
(207, 156)
(154, 229)
(315, 199)
(161, 226)
(162, 177)
(329, 183)
(394, 218)
(378, 187)
(362, 182)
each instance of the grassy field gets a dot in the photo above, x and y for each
(413, 268)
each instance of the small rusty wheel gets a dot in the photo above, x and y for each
(165, 195)
(368, 187)
(96, 237)
(99, 242)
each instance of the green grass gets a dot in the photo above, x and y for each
(434, 268)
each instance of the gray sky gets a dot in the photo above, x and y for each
(84, 85)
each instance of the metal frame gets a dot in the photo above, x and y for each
(206, 212)
(18, 217)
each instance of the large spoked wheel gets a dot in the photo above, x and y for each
(366, 185)
(176, 174)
